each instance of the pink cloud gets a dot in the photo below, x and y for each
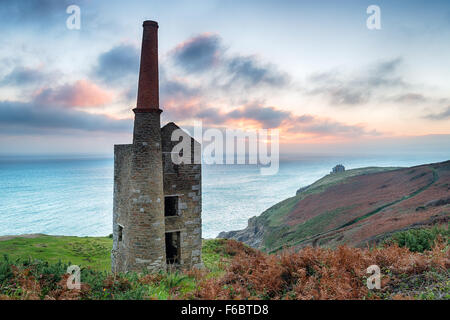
(82, 93)
(256, 115)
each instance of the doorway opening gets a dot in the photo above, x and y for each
(173, 247)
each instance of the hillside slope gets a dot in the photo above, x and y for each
(354, 207)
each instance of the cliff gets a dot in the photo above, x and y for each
(355, 207)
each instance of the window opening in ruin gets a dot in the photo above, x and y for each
(120, 233)
(170, 206)
(173, 247)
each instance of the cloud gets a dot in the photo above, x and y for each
(199, 53)
(269, 117)
(444, 115)
(345, 89)
(82, 93)
(211, 116)
(206, 55)
(117, 64)
(249, 71)
(411, 98)
(387, 67)
(24, 76)
(341, 94)
(326, 127)
(176, 87)
(18, 117)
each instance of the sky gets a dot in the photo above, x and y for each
(312, 69)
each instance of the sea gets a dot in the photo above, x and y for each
(74, 195)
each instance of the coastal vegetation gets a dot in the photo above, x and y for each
(36, 268)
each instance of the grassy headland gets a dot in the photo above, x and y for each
(355, 207)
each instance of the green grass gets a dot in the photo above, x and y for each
(102, 285)
(94, 252)
(213, 253)
(49, 256)
(83, 251)
(274, 215)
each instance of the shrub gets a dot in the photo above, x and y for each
(318, 273)
(5, 270)
(420, 240)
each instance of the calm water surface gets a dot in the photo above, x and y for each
(74, 196)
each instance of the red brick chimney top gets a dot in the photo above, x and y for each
(150, 23)
(148, 88)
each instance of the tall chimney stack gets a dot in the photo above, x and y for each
(148, 88)
(144, 237)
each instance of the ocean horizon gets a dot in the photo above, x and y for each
(73, 195)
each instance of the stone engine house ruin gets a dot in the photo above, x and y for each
(157, 204)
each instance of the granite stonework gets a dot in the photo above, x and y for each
(183, 181)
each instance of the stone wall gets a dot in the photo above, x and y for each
(141, 207)
(143, 175)
(122, 160)
(184, 181)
